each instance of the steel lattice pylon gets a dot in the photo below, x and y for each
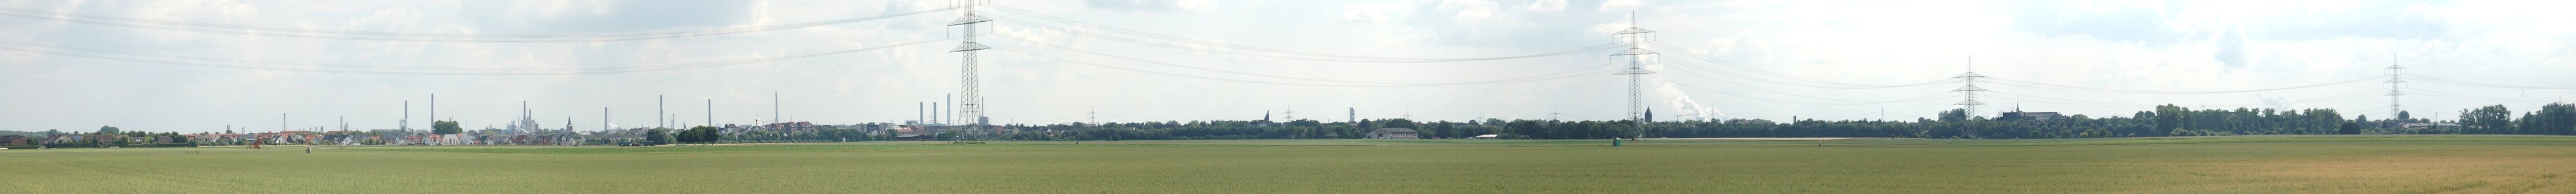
(972, 110)
(1636, 68)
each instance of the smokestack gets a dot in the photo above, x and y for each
(657, 113)
(603, 118)
(934, 114)
(433, 108)
(920, 112)
(773, 107)
(711, 112)
(946, 112)
(406, 120)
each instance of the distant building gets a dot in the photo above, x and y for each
(2017, 114)
(1394, 133)
(2431, 126)
(792, 127)
(1486, 136)
(13, 140)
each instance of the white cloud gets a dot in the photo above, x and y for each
(1546, 6)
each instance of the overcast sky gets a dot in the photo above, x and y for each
(63, 74)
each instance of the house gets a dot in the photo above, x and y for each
(2017, 114)
(1394, 133)
(1485, 136)
(13, 140)
(793, 127)
(2431, 125)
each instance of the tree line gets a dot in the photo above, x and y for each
(2163, 120)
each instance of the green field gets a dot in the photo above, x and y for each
(2236, 164)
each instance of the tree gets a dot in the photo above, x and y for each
(1952, 115)
(2403, 118)
(657, 136)
(108, 130)
(2170, 117)
(444, 128)
(2349, 128)
(2488, 119)
(700, 135)
(2554, 118)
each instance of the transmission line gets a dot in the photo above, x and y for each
(1712, 60)
(2452, 82)
(229, 29)
(1250, 74)
(2065, 87)
(2127, 105)
(1689, 67)
(1915, 99)
(1219, 70)
(1760, 88)
(1342, 20)
(1565, 75)
(2471, 97)
(662, 67)
(1356, 58)
(1175, 46)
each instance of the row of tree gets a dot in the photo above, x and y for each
(2164, 120)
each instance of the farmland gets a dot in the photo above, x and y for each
(2232, 164)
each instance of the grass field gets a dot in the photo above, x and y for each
(2235, 164)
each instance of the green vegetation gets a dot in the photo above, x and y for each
(444, 128)
(2221, 164)
(700, 135)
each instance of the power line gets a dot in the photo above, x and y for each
(1342, 20)
(1760, 88)
(2472, 97)
(1529, 79)
(1311, 57)
(1246, 73)
(1200, 68)
(2172, 92)
(1044, 17)
(1914, 99)
(229, 29)
(581, 72)
(1713, 60)
(2463, 83)
(1695, 70)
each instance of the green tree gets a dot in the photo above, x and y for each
(2349, 128)
(2488, 119)
(657, 136)
(108, 130)
(1952, 115)
(445, 128)
(700, 135)
(2554, 118)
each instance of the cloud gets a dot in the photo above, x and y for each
(1546, 6)
(1143, 5)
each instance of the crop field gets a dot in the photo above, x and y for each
(2234, 164)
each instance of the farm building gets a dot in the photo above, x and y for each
(13, 140)
(1394, 133)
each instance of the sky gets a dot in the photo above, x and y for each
(203, 66)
